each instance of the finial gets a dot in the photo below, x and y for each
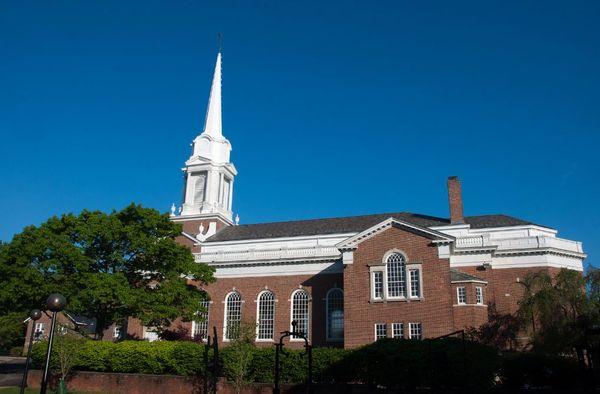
(219, 41)
(173, 209)
(237, 219)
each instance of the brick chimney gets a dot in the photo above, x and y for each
(455, 200)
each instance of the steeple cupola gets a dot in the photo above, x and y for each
(208, 172)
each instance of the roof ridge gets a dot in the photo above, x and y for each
(347, 217)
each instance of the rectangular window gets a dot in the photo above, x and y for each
(380, 331)
(378, 285)
(397, 330)
(415, 283)
(40, 328)
(461, 295)
(479, 295)
(415, 331)
(200, 325)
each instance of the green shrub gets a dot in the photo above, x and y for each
(95, 356)
(394, 364)
(537, 370)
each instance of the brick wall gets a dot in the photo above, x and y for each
(470, 314)
(282, 286)
(434, 311)
(504, 290)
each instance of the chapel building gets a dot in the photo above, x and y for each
(348, 281)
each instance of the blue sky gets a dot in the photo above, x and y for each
(332, 109)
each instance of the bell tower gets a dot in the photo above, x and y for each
(208, 173)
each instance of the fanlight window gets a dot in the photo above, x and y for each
(233, 315)
(335, 315)
(396, 276)
(266, 316)
(300, 311)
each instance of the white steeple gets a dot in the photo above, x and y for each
(213, 125)
(208, 172)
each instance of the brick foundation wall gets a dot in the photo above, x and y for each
(434, 311)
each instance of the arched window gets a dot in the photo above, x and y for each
(335, 314)
(265, 316)
(300, 310)
(200, 324)
(233, 315)
(396, 275)
(199, 188)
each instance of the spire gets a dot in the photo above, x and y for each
(213, 125)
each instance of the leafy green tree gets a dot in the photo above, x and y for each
(108, 265)
(238, 356)
(553, 309)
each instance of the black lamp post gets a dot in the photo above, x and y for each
(55, 303)
(34, 316)
(279, 349)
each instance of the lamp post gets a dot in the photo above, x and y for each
(34, 316)
(55, 303)
(279, 349)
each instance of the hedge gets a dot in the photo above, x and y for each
(394, 364)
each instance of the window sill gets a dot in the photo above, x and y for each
(480, 305)
(263, 340)
(386, 300)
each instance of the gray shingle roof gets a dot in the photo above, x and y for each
(457, 276)
(349, 224)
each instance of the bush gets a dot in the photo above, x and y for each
(180, 358)
(391, 363)
(407, 364)
(537, 370)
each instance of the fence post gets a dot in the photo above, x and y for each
(206, 366)
(276, 389)
(215, 359)
(309, 387)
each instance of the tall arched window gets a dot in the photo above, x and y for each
(335, 314)
(233, 315)
(396, 275)
(265, 316)
(300, 310)
(199, 188)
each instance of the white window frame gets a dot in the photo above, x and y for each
(207, 322)
(374, 295)
(394, 329)
(479, 295)
(410, 330)
(40, 327)
(458, 295)
(257, 339)
(226, 311)
(407, 279)
(308, 311)
(409, 269)
(117, 331)
(376, 329)
(327, 317)
(403, 266)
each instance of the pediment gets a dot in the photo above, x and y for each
(433, 235)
